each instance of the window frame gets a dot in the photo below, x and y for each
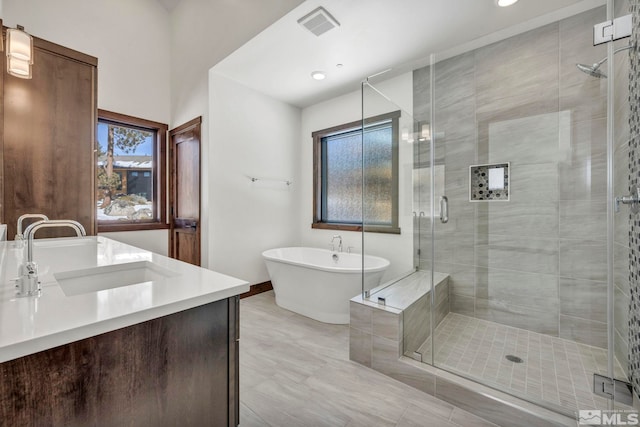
(318, 182)
(159, 173)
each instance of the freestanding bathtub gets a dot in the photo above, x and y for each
(318, 283)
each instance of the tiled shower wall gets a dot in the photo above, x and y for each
(621, 187)
(634, 221)
(537, 262)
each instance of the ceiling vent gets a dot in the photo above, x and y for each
(319, 21)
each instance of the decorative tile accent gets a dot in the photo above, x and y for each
(634, 220)
(489, 182)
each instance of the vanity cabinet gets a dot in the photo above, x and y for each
(176, 370)
(47, 139)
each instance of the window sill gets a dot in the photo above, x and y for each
(109, 227)
(356, 227)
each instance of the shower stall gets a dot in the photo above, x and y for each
(517, 173)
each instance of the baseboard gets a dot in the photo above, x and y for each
(258, 289)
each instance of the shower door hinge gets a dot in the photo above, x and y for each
(611, 388)
(608, 31)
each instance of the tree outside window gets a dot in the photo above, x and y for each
(131, 176)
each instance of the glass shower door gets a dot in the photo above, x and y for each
(508, 164)
(395, 189)
(521, 134)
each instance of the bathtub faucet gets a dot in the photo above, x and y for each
(337, 236)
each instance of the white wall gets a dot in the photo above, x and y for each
(344, 109)
(129, 38)
(203, 33)
(131, 41)
(250, 135)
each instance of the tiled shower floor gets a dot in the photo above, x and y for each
(553, 370)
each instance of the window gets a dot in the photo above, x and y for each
(338, 157)
(131, 173)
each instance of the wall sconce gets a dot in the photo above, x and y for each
(407, 136)
(425, 132)
(19, 52)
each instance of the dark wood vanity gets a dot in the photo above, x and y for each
(177, 370)
(160, 369)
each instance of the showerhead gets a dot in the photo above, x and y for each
(592, 70)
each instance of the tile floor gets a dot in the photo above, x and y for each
(295, 371)
(554, 370)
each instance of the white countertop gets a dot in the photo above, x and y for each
(32, 324)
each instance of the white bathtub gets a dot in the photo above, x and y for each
(311, 282)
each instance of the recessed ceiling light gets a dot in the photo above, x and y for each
(505, 3)
(339, 65)
(318, 75)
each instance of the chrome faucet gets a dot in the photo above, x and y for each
(337, 236)
(19, 235)
(28, 283)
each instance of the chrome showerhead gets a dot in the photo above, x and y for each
(592, 70)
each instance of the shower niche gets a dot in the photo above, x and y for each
(489, 183)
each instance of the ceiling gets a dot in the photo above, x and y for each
(375, 35)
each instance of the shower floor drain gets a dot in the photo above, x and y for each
(514, 359)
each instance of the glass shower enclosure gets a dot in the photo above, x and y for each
(514, 256)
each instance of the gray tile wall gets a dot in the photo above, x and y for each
(621, 187)
(416, 318)
(632, 247)
(538, 261)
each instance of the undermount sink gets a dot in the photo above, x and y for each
(96, 279)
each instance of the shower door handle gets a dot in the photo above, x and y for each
(444, 209)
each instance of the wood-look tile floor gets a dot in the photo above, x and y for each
(295, 371)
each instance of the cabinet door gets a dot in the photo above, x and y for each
(49, 134)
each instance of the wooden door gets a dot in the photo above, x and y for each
(184, 210)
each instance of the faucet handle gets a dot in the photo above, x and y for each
(28, 283)
(349, 249)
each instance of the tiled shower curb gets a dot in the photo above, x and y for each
(375, 340)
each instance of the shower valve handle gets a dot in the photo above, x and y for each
(633, 200)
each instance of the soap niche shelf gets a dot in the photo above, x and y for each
(489, 183)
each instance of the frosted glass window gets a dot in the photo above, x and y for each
(342, 169)
(343, 177)
(339, 156)
(378, 179)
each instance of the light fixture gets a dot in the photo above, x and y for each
(505, 3)
(407, 136)
(318, 75)
(19, 52)
(18, 68)
(425, 132)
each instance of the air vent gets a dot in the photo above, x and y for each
(319, 21)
